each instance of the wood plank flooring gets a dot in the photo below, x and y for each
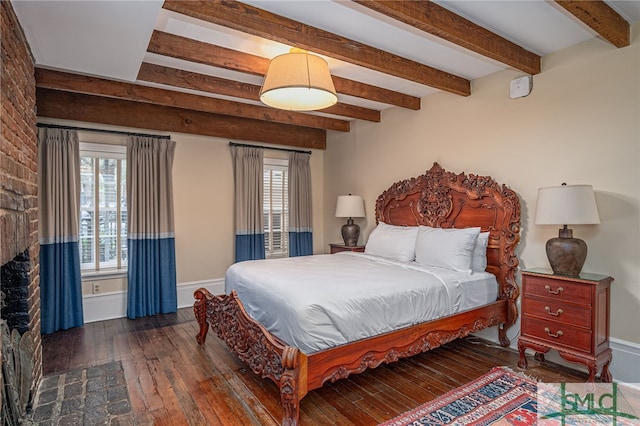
(174, 381)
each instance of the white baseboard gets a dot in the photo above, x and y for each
(185, 290)
(106, 306)
(626, 358)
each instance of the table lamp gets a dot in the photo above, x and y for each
(566, 205)
(350, 206)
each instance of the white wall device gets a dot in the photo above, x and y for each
(520, 87)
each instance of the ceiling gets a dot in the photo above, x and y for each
(197, 67)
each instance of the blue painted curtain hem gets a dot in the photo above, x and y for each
(152, 267)
(60, 287)
(300, 244)
(249, 247)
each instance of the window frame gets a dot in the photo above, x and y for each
(112, 152)
(279, 165)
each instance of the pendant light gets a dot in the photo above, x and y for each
(298, 81)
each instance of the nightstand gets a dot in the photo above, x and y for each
(335, 248)
(568, 314)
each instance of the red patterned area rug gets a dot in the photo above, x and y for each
(500, 397)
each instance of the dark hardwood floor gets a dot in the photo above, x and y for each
(173, 381)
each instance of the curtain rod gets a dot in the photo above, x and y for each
(268, 147)
(117, 132)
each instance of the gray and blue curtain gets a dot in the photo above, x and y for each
(248, 167)
(150, 243)
(300, 219)
(59, 202)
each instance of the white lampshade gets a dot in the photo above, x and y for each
(298, 81)
(350, 206)
(566, 205)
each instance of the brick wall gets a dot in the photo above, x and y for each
(18, 163)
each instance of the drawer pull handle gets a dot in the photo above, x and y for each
(558, 291)
(558, 334)
(555, 314)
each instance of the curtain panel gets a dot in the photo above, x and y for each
(300, 211)
(248, 170)
(59, 208)
(150, 241)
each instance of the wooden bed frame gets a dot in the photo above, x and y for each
(438, 199)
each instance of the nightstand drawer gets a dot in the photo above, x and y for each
(558, 334)
(337, 248)
(558, 311)
(558, 290)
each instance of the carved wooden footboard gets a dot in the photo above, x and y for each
(296, 373)
(438, 199)
(264, 353)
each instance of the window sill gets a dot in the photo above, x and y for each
(277, 256)
(101, 275)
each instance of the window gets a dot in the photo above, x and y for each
(103, 208)
(276, 208)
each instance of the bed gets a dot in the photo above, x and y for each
(434, 202)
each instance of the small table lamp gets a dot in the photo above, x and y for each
(350, 206)
(562, 205)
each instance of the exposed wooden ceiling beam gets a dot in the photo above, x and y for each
(208, 83)
(97, 86)
(96, 109)
(601, 18)
(166, 44)
(374, 93)
(441, 22)
(248, 19)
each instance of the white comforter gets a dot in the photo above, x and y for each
(317, 302)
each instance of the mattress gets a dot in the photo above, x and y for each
(318, 302)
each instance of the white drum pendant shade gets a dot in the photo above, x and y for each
(298, 81)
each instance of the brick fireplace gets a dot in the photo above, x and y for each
(19, 247)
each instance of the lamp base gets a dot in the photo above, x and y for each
(350, 233)
(566, 254)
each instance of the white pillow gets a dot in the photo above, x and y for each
(479, 258)
(394, 242)
(449, 248)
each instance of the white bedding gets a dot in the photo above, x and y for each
(317, 302)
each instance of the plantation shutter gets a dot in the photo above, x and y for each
(276, 218)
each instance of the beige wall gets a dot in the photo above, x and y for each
(203, 203)
(580, 124)
(203, 198)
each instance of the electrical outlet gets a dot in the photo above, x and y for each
(96, 287)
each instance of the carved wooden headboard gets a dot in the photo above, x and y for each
(444, 199)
